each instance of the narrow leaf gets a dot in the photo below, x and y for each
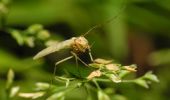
(10, 78)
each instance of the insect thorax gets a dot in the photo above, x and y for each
(80, 45)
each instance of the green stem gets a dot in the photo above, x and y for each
(97, 85)
(103, 80)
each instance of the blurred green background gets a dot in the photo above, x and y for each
(140, 34)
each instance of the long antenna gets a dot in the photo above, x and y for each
(107, 21)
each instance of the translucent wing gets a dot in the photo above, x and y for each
(55, 47)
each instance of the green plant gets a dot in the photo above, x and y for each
(102, 71)
(90, 77)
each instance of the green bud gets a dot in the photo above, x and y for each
(33, 29)
(43, 34)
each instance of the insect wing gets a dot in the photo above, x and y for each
(53, 48)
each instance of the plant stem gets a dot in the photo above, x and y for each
(103, 80)
(97, 85)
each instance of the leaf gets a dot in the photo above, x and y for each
(147, 78)
(10, 78)
(150, 76)
(42, 86)
(17, 36)
(31, 95)
(14, 91)
(102, 96)
(57, 96)
(141, 82)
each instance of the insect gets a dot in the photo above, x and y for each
(77, 45)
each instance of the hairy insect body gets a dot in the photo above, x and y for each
(77, 44)
(80, 45)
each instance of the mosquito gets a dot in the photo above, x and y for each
(78, 45)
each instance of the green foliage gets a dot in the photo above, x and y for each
(28, 37)
(150, 16)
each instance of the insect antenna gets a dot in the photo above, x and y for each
(107, 21)
(90, 30)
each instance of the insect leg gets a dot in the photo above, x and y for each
(91, 57)
(55, 68)
(77, 65)
(63, 60)
(79, 59)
